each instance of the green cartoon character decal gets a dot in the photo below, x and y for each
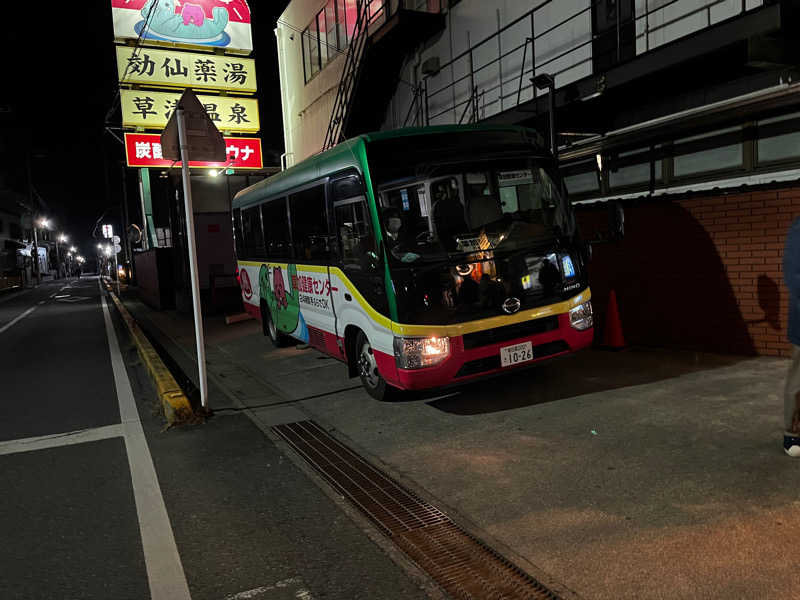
(281, 297)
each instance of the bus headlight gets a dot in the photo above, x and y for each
(580, 317)
(420, 352)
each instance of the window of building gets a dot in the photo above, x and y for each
(580, 183)
(634, 170)
(713, 154)
(309, 224)
(328, 35)
(779, 138)
(276, 229)
(252, 233)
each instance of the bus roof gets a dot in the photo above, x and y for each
(344, 155)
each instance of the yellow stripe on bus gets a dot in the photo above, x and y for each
(441, 330)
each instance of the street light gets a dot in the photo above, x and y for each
(545, 81)
(73, 249)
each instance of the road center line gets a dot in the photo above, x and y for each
(164, 569)
(60, 439)
(17, 319)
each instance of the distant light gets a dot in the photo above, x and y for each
(62, 238)
(213, 172)
(599, 159)
(99, 246)
(229, 171)
(44, 223)
(72, 249)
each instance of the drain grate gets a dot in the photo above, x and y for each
(463, 565)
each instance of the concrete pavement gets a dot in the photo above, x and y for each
(641, 474)
(99, 502)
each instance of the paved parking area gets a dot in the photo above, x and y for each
(640, 474)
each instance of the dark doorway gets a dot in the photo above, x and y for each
(614, 33)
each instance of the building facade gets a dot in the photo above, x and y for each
(685, 111)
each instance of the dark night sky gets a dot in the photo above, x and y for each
(59, 82)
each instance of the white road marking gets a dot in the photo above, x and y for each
(17, 319)
(300, 594)
(41, 302)
(60, 439)
(164, 569)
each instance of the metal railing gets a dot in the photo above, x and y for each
(503, 87)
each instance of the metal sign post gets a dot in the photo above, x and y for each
(203, 141)
(187, 202)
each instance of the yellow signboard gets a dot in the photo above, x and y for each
(151, 110)
(173, 68)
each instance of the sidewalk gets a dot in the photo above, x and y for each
(643, 474)
(274, 533)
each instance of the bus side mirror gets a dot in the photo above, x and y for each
(616, 221)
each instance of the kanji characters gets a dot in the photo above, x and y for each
(235, 73)
(157, 153)
(141, 65)
(212, 111)
(174, 71)
(170, 106)
(238, 114)
(143, 150)
(205, 70)
(144, 106)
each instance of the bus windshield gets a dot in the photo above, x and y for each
(461, 193)
(468, 208)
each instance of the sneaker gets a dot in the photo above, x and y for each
(791, 444)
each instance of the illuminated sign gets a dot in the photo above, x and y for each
(199, 23)
(152, 110)
(144, 150)
(171, 68)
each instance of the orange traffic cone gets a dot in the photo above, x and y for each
(612, 336)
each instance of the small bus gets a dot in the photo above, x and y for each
(420, 258)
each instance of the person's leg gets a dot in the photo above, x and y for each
(791, 406)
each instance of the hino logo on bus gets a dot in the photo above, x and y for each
(511, 305)
(572, 286)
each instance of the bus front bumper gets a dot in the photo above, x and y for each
(474, 363)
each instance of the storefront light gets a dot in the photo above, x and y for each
(420, 352)
(580, 317)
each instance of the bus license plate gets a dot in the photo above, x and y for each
(518, 353)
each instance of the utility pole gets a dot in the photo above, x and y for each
(125, 225)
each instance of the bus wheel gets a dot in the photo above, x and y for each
(368, 369)
(278, 339)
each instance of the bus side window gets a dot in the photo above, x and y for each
(355, 237)
(237, 232)
(276, 228)
(253, 234)
(309, 224)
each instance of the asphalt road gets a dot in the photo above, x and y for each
(98, 501)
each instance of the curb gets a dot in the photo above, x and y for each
(177, 408)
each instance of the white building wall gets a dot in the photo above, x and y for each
(656, 26)
(496, 79)
(566, 51)
(306, 107)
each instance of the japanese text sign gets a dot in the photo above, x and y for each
(152, 110)
(171, 68)
(196, 24)
(144, 150)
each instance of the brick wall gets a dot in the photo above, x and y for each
(701, 273)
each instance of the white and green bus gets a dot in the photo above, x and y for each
(420, 258)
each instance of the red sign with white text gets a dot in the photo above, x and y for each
(144, 150)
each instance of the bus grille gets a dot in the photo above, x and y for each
(489, 363)
(510, 332)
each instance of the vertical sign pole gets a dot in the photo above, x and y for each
(187, 198)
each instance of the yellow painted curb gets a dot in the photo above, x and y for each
(177, 408)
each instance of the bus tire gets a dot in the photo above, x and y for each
(278, 339)
(367, 368)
